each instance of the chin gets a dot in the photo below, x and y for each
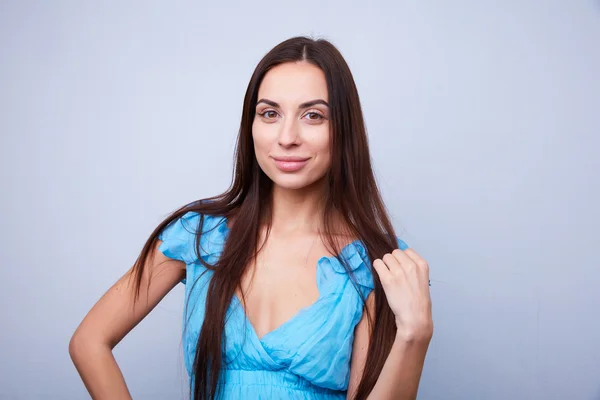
(292, 181)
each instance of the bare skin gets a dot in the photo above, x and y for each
(283, 279)
(113, 317)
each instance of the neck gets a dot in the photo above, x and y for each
(298, 210)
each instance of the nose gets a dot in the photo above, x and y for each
(289, 134)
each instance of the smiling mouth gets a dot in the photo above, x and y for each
(290, 164)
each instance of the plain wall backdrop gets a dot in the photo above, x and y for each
(483, 120)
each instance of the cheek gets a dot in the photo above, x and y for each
(321, 146)
(320, 142)
(326, 159)
(260, 138)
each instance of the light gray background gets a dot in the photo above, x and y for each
(483, 119)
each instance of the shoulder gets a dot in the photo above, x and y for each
(180, 235)
(182, 227)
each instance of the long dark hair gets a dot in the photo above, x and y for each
(352, 193)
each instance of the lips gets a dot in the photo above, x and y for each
(290, 163)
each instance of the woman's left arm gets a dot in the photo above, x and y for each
(404, 276)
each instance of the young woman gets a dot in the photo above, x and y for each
(296, 284)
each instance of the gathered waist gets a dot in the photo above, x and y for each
(280, 378)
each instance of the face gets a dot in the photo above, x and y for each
(291, 125)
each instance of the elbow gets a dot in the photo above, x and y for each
(76, 347)
(80, 345)
(84, 346)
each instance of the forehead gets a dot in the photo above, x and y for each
(294, 83)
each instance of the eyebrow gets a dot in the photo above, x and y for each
(303, 105)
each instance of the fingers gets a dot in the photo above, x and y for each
(392, 263)
(389, 269)
(421, 264)
(402, 263)
(385, 275)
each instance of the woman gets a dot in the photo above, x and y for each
(296, 285)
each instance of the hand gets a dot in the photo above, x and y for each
(405, 279)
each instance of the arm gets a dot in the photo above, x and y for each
(112, 317)
(404, 276)
(401, 373)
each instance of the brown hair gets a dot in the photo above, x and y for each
(352, 192)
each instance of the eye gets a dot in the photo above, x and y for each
(313, 116)
(268, 114)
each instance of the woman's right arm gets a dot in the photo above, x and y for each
(112, 317)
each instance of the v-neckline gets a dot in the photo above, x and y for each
(297, 314)
(277, 329)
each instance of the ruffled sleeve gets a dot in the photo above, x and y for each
(178, 238)
(357, 259)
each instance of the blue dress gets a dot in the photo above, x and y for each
(308, 357)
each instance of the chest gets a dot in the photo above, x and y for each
(281, 282)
